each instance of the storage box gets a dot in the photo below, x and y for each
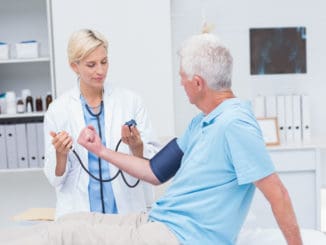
(4, 51)
(27, 49)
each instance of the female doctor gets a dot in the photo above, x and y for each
(94, 102)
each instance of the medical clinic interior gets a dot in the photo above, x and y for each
(277, 47)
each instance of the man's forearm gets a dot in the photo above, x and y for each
(279, 199)
(135, 166)
(284, 214)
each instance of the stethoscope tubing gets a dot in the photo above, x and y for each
(100, 179)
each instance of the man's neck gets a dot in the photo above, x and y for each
(214, 99)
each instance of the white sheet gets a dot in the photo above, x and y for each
(255, 236)
(274, 237)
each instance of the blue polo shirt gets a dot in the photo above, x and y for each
(209, 197)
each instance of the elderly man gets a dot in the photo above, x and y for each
(216, 166)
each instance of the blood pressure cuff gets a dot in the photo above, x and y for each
(167, 161)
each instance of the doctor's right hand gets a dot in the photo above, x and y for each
(62, 142)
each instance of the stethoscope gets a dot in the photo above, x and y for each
(100, 178)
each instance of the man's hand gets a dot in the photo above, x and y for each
(90, 140)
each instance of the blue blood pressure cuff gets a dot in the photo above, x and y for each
(167, 161)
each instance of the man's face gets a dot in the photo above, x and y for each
(189, 86)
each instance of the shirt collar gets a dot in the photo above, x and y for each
(108, 89)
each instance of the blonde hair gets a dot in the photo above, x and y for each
(83, 42)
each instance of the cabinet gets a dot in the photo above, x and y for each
(27, 20)
(21, 21)
(300, 170)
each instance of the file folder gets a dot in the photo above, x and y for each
(32, 145)
(271, 109)
(259, 106)
(40, 144)
(305, 109)
(22, 154)
(297, 132)
(280, 103)
(10, 135)
(3, 148)
(289, 119)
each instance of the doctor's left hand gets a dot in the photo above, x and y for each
(131, 137)
(89, 139)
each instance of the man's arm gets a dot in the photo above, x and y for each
(279, 199)
(135, 166)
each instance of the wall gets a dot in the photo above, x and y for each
(139, 33)
(232, 20)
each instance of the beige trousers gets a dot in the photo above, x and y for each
(93, 228)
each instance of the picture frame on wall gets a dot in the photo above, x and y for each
(279, 50)
(269, 128)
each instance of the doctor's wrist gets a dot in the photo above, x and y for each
(61, 163)
(138, 151)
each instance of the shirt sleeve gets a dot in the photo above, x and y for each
(247, 151)
(50, 155)
(182, 141)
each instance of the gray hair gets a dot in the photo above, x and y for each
(204, 55)
(83, 42)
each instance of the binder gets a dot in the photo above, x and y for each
(270, 105)
(40, 144)
(280, 104)
(10, 136)
(289, 119)
(32, 145)
(305, 109)
(297, 132)
(3, 148)
(259, 106)
(22, 154)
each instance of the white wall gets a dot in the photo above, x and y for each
(139, 34)
(232, 20)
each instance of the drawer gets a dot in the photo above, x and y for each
(294, 160)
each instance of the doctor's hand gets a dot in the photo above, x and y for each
(62, 142)
(89, 139)
(131, 137)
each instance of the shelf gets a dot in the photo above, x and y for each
(17, 170)
(22, 115)
(299, 146)
(13, 61)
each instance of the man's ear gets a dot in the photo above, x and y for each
(200, 82)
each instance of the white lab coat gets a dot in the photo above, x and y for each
(65, 114)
